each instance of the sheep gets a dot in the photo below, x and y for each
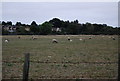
(6, 40)
(80, 39)
(112, 37)
(68, 38)
(33, 37)
(90, 37)
(49, 56)
(103, 36)
(54, 41)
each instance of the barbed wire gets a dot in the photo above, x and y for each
(66, 62)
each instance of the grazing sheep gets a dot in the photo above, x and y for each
(6, 40)
(90, 37)
(49, 56)
(112, 37)
(33, 37)
(68, 38)
(80, 39)
(54, 41)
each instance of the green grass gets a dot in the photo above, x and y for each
(97, 49)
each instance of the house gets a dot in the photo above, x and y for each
(9, 28)
(27, 28)
(56, 29)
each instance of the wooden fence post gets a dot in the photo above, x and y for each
(118, 66)
(26, 67)
(118, 42)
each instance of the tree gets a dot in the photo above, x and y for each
(46, 28)
(5, 32)
(9, 23)
(76, 21)
(89, 28)
(34, 28)
(57, 26)
(21, 31)
(3, 23)
(18, 24)
(72, 28)
(33, 23)
(56, 22)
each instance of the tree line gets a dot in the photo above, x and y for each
(58, 27)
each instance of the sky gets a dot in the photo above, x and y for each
(92, 12)
(60, 0)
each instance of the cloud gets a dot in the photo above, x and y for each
(26, 12)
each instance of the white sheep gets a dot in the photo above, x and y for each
(103, 36)
(49, 56)
(54, 41)
(6, 40)
(33, 37)
(70, 40)
(80, 39)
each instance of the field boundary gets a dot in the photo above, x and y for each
(61, 80)
(68, 62)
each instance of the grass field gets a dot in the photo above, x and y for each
(92, 58)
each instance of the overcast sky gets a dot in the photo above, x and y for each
(93, 12)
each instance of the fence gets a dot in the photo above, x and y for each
(26, 71)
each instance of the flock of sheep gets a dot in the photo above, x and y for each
(56, 41)
(69, 39)
(53, 40)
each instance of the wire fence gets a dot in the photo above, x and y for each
(83, 75)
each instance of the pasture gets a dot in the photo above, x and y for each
(89, 58)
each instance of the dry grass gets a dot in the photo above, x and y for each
(56, 60)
